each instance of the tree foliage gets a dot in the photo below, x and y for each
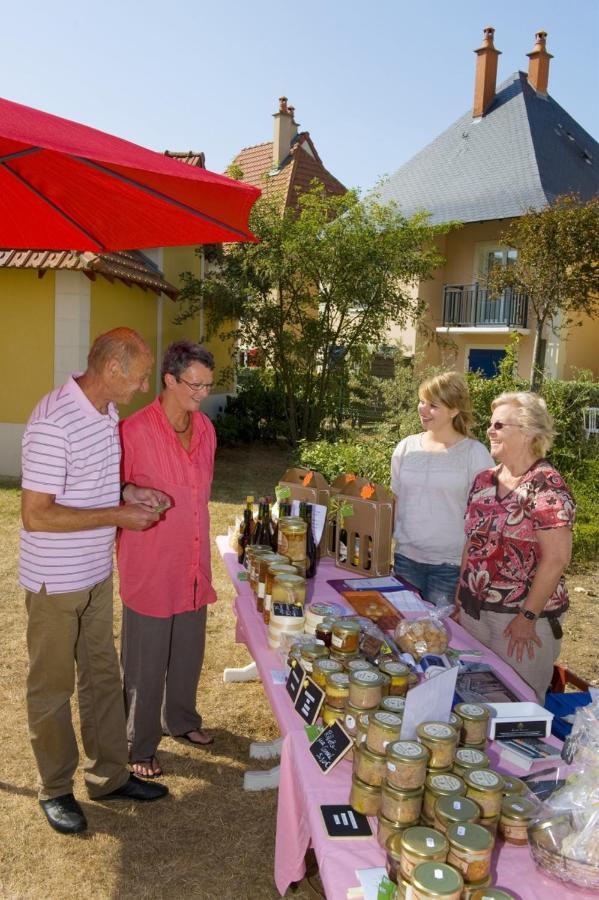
(557, 266)
(317, 292)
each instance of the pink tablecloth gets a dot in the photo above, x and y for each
(303, 788)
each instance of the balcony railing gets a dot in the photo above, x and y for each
(470, 305)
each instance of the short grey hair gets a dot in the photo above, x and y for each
(533, 417)
(123, 344)
(180, 355)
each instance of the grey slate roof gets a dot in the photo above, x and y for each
(524, 152)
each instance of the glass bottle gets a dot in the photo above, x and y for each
(245, 536)
(310, 544)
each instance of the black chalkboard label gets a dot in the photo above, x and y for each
(294, 679)
(309, 700)
(330, 746)
(345, 822)
(293, 610)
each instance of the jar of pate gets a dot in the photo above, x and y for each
(337, 689)
(491, 893)
(394, 704)
(362, 728)
(475, 720)
(341, 657)
(444, 785)
(420, 844)
(436, 881)
(330, 714)
(398, 673)
(365, 688)
(513, 786)
(370, 767)
(467, 759)
(310, 652)
(400, 805)
(441, 740)
(345, 637)
(383, 729)
(485, 787)
(364, 798)
(323, 667)
(491, 823)
(470, 848)
(274, 568)
(291, 538)
(516, 815)
(451, 810)
(354, 665)
(406, 764)
(350, 718)
(386, 828)
(469, 889)
(288, 589)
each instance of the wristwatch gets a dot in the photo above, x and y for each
(528, 614)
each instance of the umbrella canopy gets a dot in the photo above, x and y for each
(66, 186)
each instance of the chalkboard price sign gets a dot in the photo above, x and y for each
(330, 746)
(292, 610)
(309, 700)
(294, 679)
(345, 822)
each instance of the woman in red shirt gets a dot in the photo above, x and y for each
(165, 576)
(519, 540)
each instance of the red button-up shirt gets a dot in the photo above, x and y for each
(166, 570)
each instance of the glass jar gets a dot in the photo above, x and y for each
(514, 787)
(310, 652)
(516, 815)
(491, 823)
(337, 689)
(444, 785)
(450, 810)
(275, 568)
(346, 636)
(362, 728)
(350, 719)
(257, 551)
(393, 704)
(420, 844)
(436, 881)
(383, 729)
(291, 540)
(387, 828)
(370, 767)
(364, 798)
(331, 714)
(470, 848)
(323, 667)
(440, 739)
(289, 589)
(455, 721)
(398, 673)
(401, 806)
(491, 893)
(476, 886)
(365, 688)
(485, 787)
(355, 665)
(467, 759)
(406, 764)
(475, 720)
(317, 611)
(324, 632)
(341, 657)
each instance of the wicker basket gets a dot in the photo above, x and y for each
(571, 870)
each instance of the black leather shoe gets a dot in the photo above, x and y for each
(136, 789)
(64, 814)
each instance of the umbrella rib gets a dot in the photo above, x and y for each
(19, 153)
(160, 196)
(99, 245)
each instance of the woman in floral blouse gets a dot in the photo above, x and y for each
(519, 540)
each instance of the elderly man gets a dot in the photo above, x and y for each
(70, 511)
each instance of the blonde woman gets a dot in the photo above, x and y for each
(431, 475)
(519, 541)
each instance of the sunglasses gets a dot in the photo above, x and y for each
(497, 426)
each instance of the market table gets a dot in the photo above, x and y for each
(303, 788)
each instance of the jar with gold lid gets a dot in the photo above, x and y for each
(341, 657)
(323, 667)
(350, 718)
(420, 844)
(398, 673)
(393, 703)
(441, 740)
(406, 764)
(354, 665)
(257, 551)
(491, 823)
(337, 689)
(470, 848)
(450, 810)
(402, 806)
(436, 881)
(469, 889)
(383, 729)
(318, 611)
(491, 893)
(289, 589)
(365, 798)
(485, 787)
(386, 828)
(513, 786)
(475, 720)
(310, 652)
(444, 785)
(346, 636)
(516, 815)
(455, 722)
(331, 714)
(365, 688)
(467, 759)
(291, 538)
(370, 766)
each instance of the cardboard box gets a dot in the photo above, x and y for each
(305, 484)
(338, 486)
(513, 720)
(363, 526)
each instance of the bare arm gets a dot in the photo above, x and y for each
(41, 512)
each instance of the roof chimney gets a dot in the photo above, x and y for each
(284, 132)
(538, 64)
(486, 74)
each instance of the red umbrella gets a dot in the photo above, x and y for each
(66, 186)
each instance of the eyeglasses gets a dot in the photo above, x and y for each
(497, 426)
(195, 388)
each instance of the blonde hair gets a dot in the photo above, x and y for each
(450, 390)
(532, 416)
(122, 344)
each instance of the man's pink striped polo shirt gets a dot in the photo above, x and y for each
(70, 450)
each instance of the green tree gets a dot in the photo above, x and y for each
(317, 291)
(557, 267)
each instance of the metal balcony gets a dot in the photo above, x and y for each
(472, 306)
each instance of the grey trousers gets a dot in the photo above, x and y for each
(161, 663)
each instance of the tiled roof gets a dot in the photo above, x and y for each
(293, 175)
(191, 157)
(524, 152)
(132, 266)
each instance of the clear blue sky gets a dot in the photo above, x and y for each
(372, 82)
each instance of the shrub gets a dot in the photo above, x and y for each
(254, 414)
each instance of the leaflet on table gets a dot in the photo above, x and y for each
(479, 683)
(384, 583)
(429, 701)
(370, 880)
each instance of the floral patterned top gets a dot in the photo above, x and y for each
(503, 553)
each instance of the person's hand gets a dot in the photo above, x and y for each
(149, 497)
(522, 636)
(136, 516)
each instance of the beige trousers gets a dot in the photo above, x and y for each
(67, 633)
(536, 672)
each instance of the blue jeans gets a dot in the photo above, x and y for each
(433, 581)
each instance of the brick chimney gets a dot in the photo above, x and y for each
(486, 74)
(284, 132)
(538, 64)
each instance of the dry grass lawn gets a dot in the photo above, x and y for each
(209, 839)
